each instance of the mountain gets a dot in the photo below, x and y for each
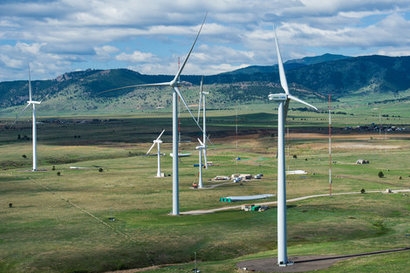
(314, 77)
(318, 59)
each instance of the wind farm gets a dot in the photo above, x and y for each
(77, 205)
(114, 211)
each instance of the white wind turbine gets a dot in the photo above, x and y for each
(202, 100)
(157, 141)
(34, 127)
(201, 148)
(174, 84)
(283, 99)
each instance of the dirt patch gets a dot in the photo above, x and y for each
(135, 270)
(364, 146)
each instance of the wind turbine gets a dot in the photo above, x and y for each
(283, 99)
(202, 99)
(174, 84)
(157, 141)
(34, 127)
(201, 148)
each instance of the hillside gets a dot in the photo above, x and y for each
(314, 77)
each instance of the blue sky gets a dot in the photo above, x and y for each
(149, 36)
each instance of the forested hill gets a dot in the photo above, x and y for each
(312, 76)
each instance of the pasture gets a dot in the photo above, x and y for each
(95, 205)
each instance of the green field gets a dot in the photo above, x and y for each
(109, 212)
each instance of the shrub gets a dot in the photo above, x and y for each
(362, 191)
(381, 174)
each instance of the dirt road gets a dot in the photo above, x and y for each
(205, 211)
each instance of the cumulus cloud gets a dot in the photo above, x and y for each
(136, 57)
(58, 36)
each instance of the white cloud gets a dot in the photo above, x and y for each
(58, 36)
(136, 57)
(9, 62)
(105, 51)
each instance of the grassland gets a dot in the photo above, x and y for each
(111, 213)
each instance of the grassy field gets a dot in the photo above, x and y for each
(111, 213)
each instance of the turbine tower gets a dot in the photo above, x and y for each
(283, 100)
(34, 127)
(201, 148)
(157, 141)
(202, 99)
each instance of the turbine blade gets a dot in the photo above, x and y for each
(45, 97)
(25, 107)
(186, 106)
(29, 84)
(189, 53)
(200, 98)
(137, 85)
(301, 101)
(282, 76)
(19, 114)
(152, 146)
(208, 137)
(160, 135)
(154, 84)
(200, 142)
(118, 88)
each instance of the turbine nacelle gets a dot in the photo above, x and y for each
(201, 146)
(283, 97)
(278, 97)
